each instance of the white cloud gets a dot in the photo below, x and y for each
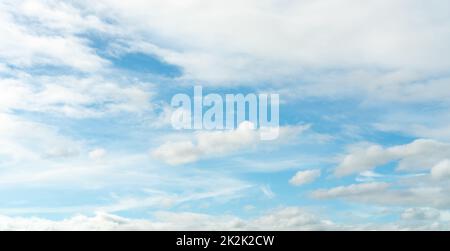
(373, 88)
(363, 158)
(97, 153)
(36, 44)
(71, 96)
(433, 124)
(177, 153)
(291, 218)
(62, 152)
(408, 191)
(26, 140)
(255, 44)
(305, 177)
(441, 170)
(417, 190)
(3, 68)
(47, 35)
(263, 31)
(420, 214)
(419, 155)
(280, 219)
(58, 16)
(350, 191)
(382, 50)
(218, 143)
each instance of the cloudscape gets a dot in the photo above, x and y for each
(224, 115)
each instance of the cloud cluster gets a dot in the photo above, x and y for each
(71, 96)
(441, 170)
(25, 140)
(351, 191)
(272, 38)
(305, 177)
(421, 214)
(52, 67)
(419, 155)
(43, 34)
(55, 60)
(218, 143)
(280, 219)
(426, 189)
(390, 194)
(208, 143)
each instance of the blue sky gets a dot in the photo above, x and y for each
(86, 140)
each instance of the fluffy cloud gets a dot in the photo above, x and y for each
(3, 68)
(97, 153)
(253, 45)
(41, 43)
(208, 143)
(376, 50)
(415, 191)
(421, 214)
(25, 140)
(291, 218)
(73, 96)
(305, 177)
(419, 155)
(45, 38)
(441, 170)
(280, 219)
(350, 191)
(217, 143)
(64, 17)
(262, 30)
